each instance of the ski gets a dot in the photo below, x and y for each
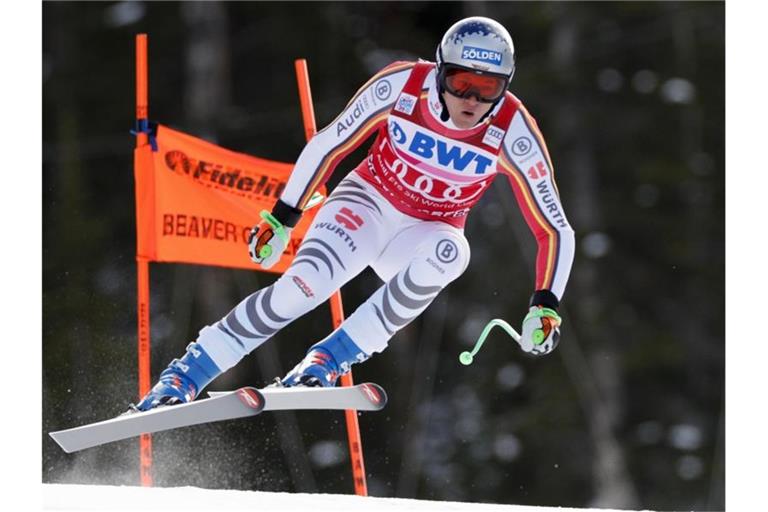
(246, 401)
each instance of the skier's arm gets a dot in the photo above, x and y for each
(525, 161)
(362, 116)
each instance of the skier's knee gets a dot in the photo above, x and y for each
(448, 253)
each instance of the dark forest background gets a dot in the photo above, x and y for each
(627, 413)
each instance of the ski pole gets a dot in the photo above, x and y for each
(466, 358)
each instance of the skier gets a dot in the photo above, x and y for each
(445, 130)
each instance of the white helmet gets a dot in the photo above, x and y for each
(480, 44)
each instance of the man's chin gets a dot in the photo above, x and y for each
(464, 122)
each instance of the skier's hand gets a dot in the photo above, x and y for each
(267, 240)
(541, 331)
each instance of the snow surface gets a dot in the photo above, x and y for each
(95, 497)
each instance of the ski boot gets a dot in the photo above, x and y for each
(325, 362)
(182, 380)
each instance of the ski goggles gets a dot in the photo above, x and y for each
(463, 83)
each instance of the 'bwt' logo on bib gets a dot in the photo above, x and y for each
(481, 55)
(438, 151)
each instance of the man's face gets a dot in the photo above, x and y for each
(465, 112)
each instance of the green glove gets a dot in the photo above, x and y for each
(541, 331)
(267, 240)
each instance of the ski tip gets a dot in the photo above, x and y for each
(375, 395)
(54, 436)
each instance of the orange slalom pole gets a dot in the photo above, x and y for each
(145, 441)
(337, 308)
(142, 265)
(142, 81)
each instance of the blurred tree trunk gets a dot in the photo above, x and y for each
(598, 375)
(421, 398)
(66, 214)
(207, 65)
(704, 231)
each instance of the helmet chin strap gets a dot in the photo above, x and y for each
(493, 106)
(444, 115)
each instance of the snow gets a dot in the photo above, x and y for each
(95, 497)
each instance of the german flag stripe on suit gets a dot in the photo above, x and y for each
(547, 235)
